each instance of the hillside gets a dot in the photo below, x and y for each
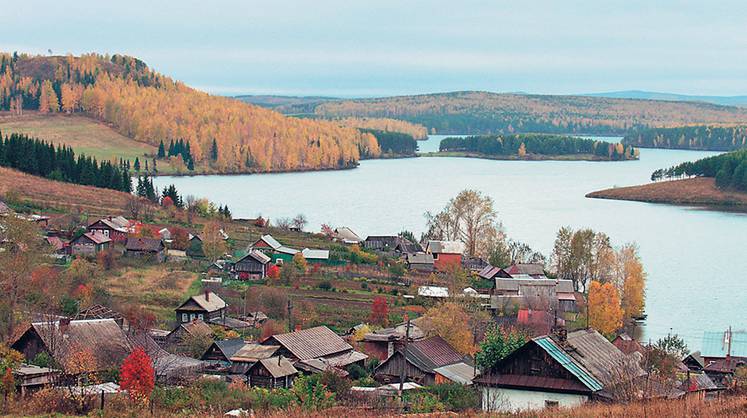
(653, 95)
(474, 112)
(708, 138)
(146, 106)
(699, 191)
(86, 136)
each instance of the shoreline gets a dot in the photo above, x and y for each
(528, 157)
(695, 192)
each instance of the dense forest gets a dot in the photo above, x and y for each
(394, 143)
(37, 157)
(418, 132)
(150, 107)
(729, 170)
(540, 144)
(707, 138)
(493, 113)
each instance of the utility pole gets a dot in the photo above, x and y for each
(402, 374)
(290, 316)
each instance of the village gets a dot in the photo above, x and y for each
(166, 301)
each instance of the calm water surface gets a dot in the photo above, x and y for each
(696, 259)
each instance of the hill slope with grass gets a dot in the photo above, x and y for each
(225, 135)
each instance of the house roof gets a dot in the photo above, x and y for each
(269, 240)
(536, 382)
(395, 333)
(431, 353)
(698, 382)
(95, 238)
(144, 244)
(311, 342)
(531, 269)
(715, 344)
(419, 258)
(433, 291)
(103, 337)
(231, 323)
(196, 327)
(458, 372)
(229, 347)
(445, 247)
(55, 242)
(627, 344)
(208, 301)
(346, 234)
(277, 366)
(513, 284)
(569, 363)
(250, 353)
(725, 365)
(310, 254)
(605, 361)
(256, 255)
(117, 223)
(488, 272)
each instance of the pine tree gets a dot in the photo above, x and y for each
(161, 150)
(146, 167)
(171, 148)
(137, 164)
(214, 151)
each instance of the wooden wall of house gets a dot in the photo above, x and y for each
(389, 371)
(533, 361)
(30, 344)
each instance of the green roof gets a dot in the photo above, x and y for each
(547, 344)
(715, 344)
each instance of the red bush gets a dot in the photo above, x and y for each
(137, 376)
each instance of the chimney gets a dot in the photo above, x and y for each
(298, 327)
(64, 325)
(207, 295)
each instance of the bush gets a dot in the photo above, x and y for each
(357, 372)
(422, 402)
(326, 286)
(456, 397)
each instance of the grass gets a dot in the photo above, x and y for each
(700, 191)
(85, 135)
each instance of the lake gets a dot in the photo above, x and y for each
(696, 259)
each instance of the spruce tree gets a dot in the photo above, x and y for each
(137, 164)
(214, 151)
(161, 150)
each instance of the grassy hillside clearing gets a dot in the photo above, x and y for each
(85, 135)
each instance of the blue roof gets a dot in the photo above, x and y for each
(714, 344)
(568, 363)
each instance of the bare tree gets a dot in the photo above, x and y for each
(134, 206)
(283, 223)
(300, 221)
(190, 201)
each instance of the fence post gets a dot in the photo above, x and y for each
(102, 399)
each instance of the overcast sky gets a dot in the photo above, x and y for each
(382, 47)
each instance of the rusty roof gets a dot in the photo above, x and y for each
(311, 343)
(538, 382)
(432, 353)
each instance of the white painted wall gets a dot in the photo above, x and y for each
(513, 400)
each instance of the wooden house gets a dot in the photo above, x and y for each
(180, 336)
(65, 339)
(89, 244)
(346, 235)
(421, 262)
(150, 248)
(252, 266)
(422, 359)
(205, 306)
(718, 345)
(316, 349)
(249, 354)
(114, 228)
(195, 247)
(273, 248)
(272, 373)
(446, 254)
(558, 371)
(383, 343)
(536, 294)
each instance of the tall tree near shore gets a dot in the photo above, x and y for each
(633, 281)
(470, 218)
(605, 312)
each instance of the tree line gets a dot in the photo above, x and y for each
(147, 106)
(729, 170)
(40, 158)
(395, 143)
(707, 138)
(543, 144)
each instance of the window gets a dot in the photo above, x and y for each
(200, 317)
(435, 256)
(191, 317)
(185, 318)
(551, 404)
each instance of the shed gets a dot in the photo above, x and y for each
(152, 248)
(422, 262)
(423, 357)
(272, 373)
(252, 266)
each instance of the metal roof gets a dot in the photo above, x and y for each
(547, 344)
(310, 254)
(250, 353)
(272, 242)
(715, 344)
(538, 382)
(458, 372)
(432, 352)
(433, 291)
(420, 258)
(311, 342)
(208, 301)
(445, 247)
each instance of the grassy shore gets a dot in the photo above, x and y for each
(699, 191)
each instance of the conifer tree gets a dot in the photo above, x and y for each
(214, 151)
(161, 150)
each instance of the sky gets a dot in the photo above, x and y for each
(356, 48)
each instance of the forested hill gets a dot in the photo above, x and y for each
(224, 134)
(473, 112)
(729, 170)
(709, 138)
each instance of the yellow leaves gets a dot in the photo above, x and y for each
(522, 150)
(605, 312)
(450, 322)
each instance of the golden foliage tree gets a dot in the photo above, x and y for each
(451, 322)
(634, 281)
(213, 244)
(605, 312)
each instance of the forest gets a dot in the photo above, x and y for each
(729, 170)
(474, 113)
(705, 138)
(394, 143)
(542, 144)
(149, 107)
(37, 157)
